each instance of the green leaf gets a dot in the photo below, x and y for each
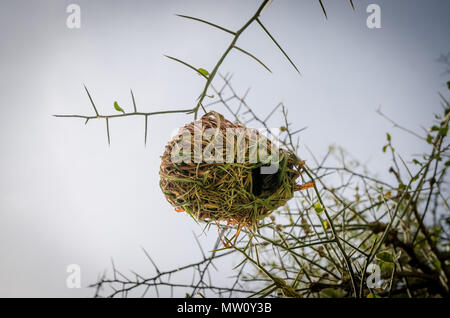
(438, 265)
(447, 163)
(429, 139)
(386, 268)
(384, 148)
(434, 128)
(388, 137)
(385, 257)
(318, 208)
(417, 162)
(371, 295)
(448, 84)
(203, 71)
(118, 108)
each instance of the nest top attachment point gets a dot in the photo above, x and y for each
(216, 170)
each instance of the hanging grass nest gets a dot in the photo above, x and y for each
(214, 188)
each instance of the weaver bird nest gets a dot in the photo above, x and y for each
(216, 170)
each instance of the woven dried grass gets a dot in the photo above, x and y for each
(235, 192)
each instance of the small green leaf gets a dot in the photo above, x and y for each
(203, 71)
(384, 148)
(385, 257)
(118, 108)
(429, 139)
(417, 162)
(318, 208)
(388, 137)
(386, 267)
(371, 295)
(438, 265)
(434, 128)
(448, 84)
(447, 163)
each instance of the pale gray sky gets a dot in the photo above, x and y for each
(66, 197)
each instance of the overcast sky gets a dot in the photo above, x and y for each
(68, 198)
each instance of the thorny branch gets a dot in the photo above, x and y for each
(323, 242)
(205, 74)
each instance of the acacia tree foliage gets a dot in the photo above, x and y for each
(351, 235)
(326, 241)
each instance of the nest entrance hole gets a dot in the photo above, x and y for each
(263, 183)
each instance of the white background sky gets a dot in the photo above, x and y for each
(66, 197)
